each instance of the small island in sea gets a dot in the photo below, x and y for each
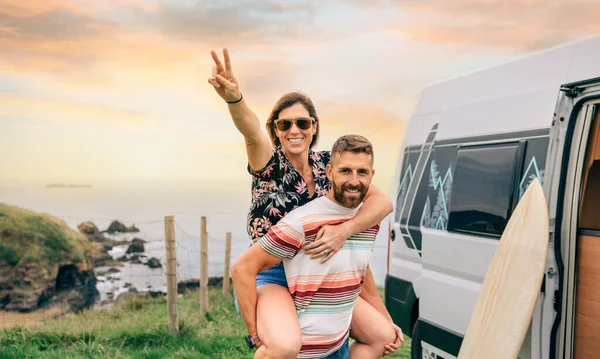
(63, 185)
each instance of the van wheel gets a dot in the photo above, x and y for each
(416, 349)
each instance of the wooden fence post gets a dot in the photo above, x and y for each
(227, 260)
(203, 267)
(171, 274)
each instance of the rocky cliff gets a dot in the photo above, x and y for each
(43, 263)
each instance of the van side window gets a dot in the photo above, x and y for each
(485, 188)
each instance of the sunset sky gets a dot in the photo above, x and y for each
(95, 90)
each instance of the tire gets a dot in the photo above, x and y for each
(416, 349)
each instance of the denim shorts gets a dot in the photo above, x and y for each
(273, 275)
(342, 353)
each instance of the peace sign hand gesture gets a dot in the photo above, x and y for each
(223, 80)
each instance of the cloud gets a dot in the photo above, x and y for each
(64, 24)
(50, 36)
(95, 46)
(79, 40)
(523, 25)
(98, 47)
(64, 110)
(232, 21)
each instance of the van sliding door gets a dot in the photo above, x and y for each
(554, 317)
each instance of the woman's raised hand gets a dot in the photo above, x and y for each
(222, 78)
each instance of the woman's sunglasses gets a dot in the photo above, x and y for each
(303, 123)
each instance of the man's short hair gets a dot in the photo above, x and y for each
(352, 143)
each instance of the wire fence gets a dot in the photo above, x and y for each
(121, 262)
(130, 260)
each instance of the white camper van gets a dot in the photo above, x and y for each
(472, 146)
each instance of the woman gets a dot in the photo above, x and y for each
(287, 173)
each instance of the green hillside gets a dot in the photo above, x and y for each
(27, 236)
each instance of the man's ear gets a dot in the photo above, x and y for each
(328, 172)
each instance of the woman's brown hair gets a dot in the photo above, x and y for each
(288, 100)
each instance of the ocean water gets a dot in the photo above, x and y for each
(144, 204)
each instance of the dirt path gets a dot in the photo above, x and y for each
(10, 319)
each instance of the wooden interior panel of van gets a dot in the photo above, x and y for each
(587, 305)
(592, 159)
(587, 302)
(590, 208)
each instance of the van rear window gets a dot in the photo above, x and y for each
(483, 192)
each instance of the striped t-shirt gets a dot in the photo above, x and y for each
(324, 294)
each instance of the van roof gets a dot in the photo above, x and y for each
(572, 62)
(517, 95)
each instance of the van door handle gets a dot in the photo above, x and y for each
(393, 235)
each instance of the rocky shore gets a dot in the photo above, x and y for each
(101, 246)
(108, 267)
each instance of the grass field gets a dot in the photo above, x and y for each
(137, 328)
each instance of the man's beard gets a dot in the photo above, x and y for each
(340, 196)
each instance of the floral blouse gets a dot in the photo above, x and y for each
(278, 188)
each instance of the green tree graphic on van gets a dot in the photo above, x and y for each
(438, 217)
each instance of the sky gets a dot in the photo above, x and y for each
(95, 90)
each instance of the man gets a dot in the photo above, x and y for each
(324, 294)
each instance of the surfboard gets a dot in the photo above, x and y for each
(512, 284)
